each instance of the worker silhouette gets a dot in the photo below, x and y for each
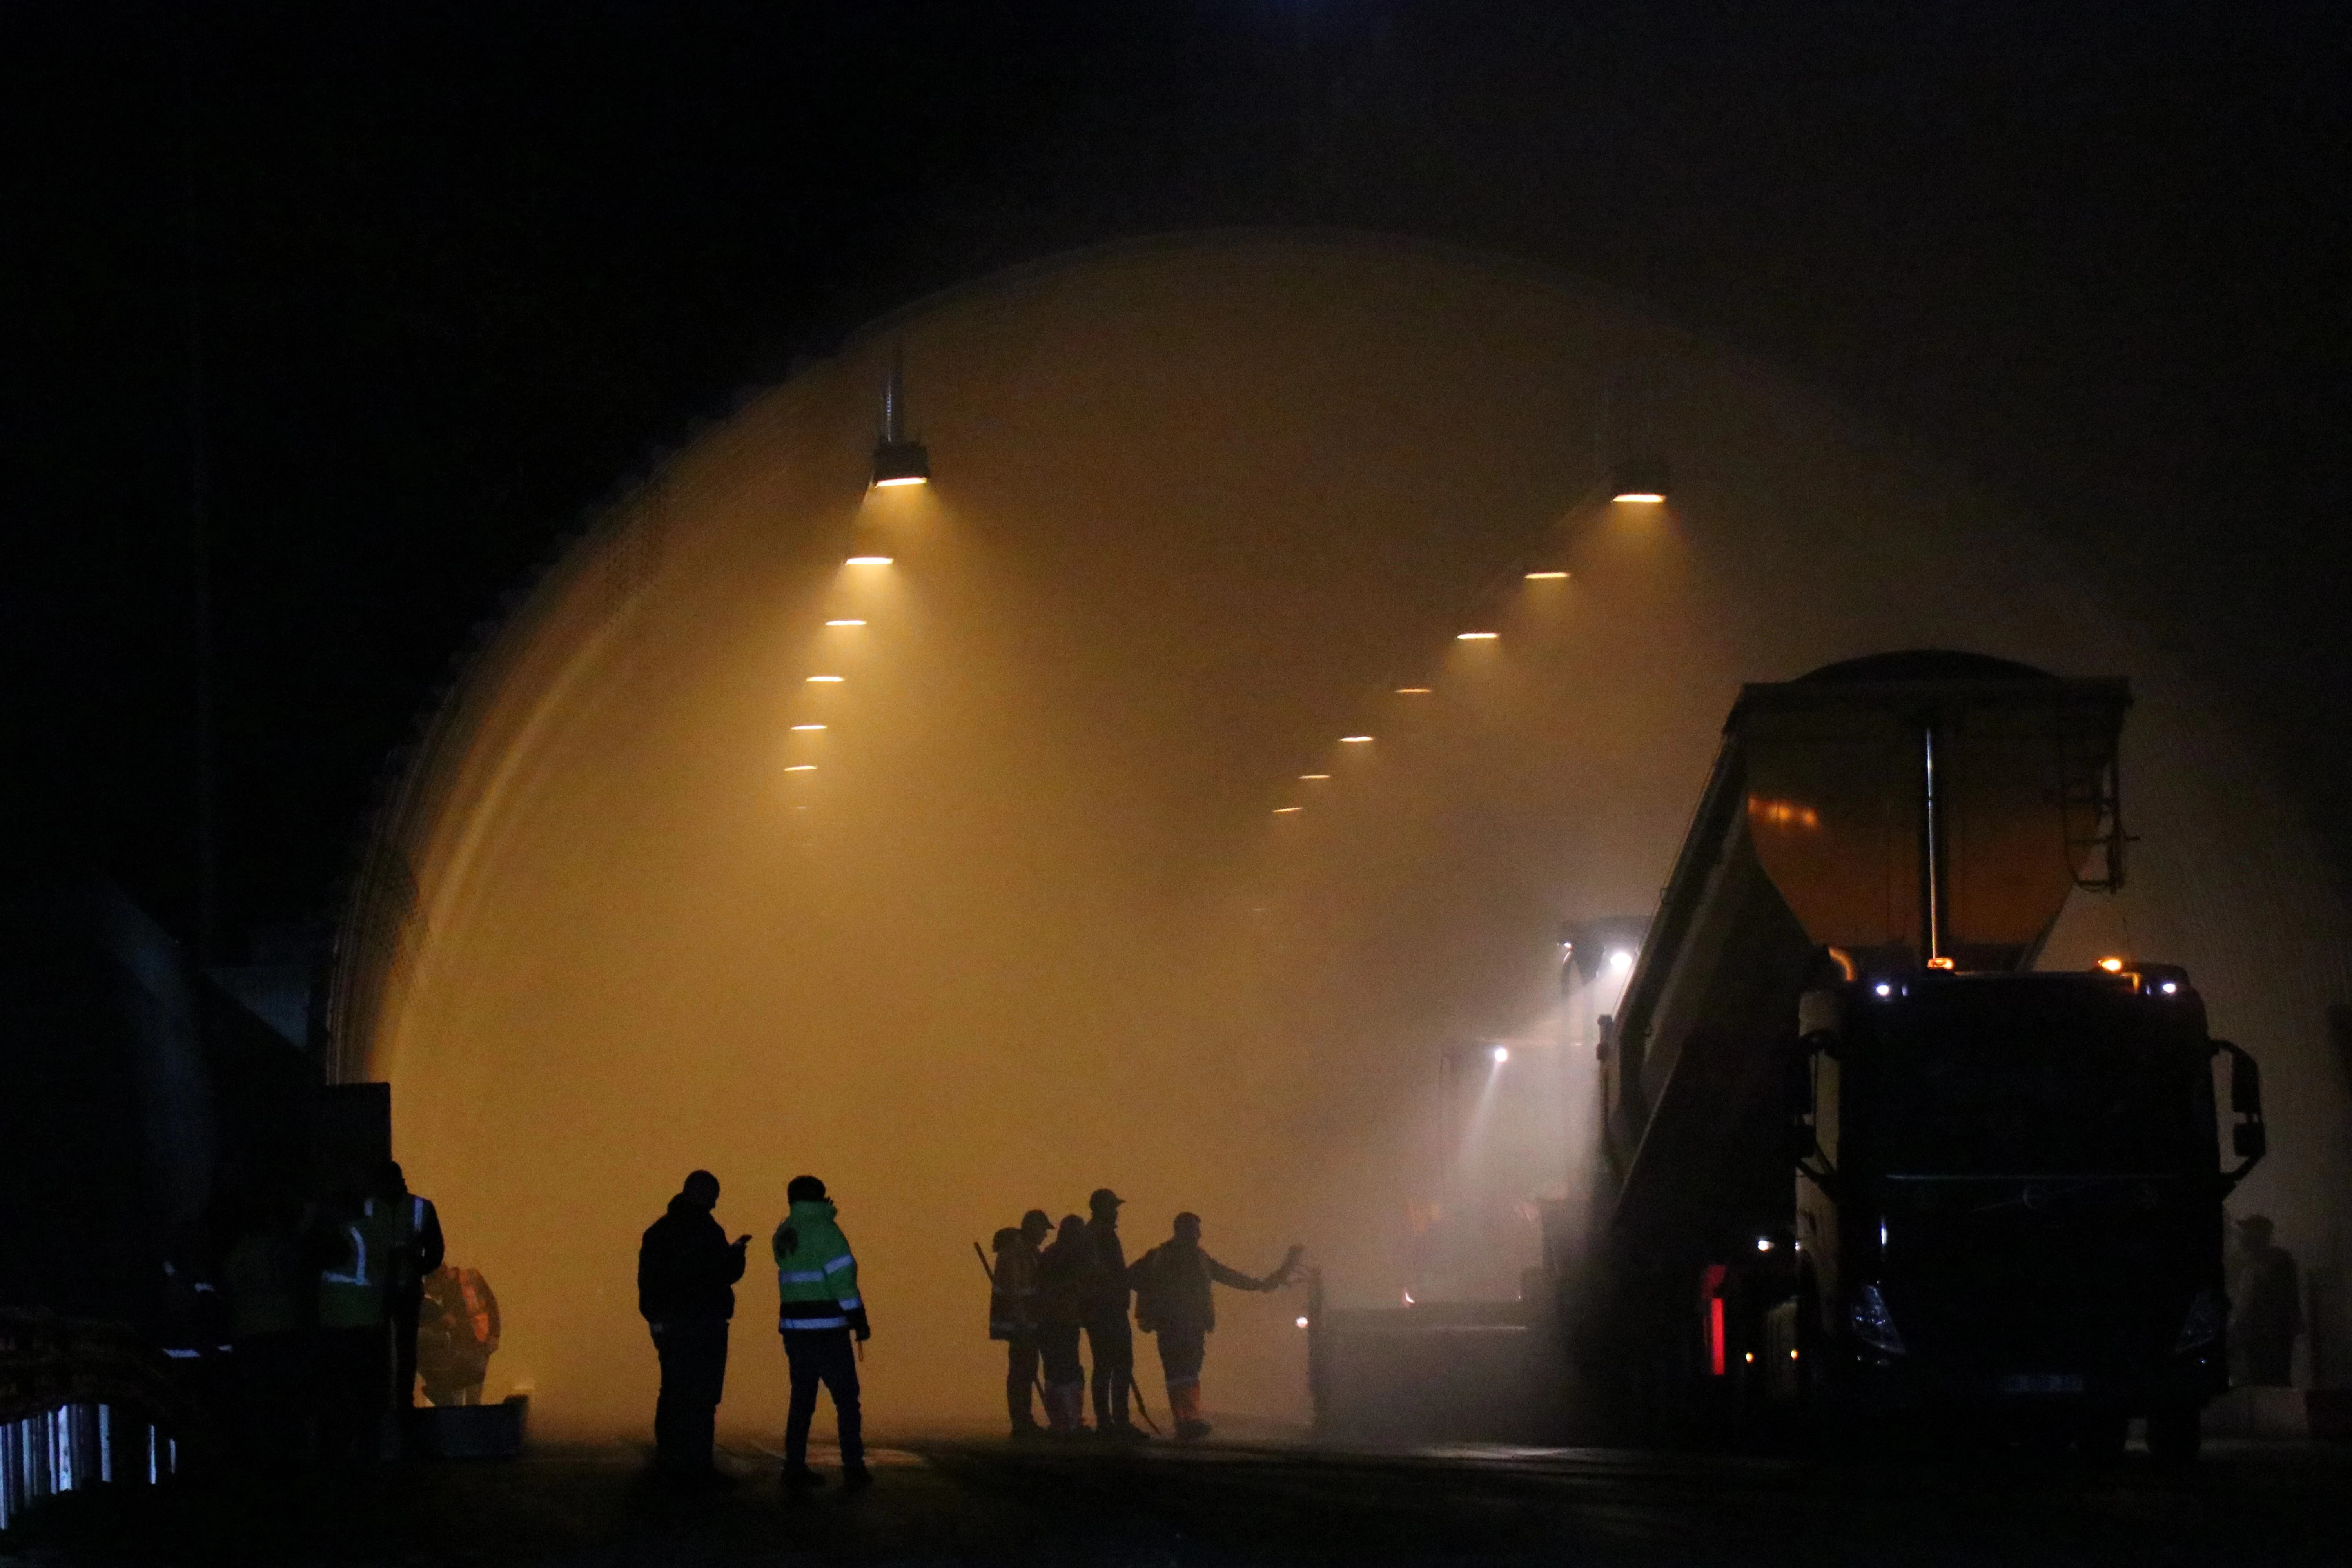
(1061, 1268)
(1173, 1301)
(413, 1229)
(1102, 1307)
(686, 1270)
(2265, 1308)
(348, 1245)
(818, 1310)
(1012, 1313)
(457, 1332)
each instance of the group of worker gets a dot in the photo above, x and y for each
(324, 1310)
(687, 1271)
(1044, 1295)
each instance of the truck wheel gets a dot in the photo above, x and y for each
(2173, 1435)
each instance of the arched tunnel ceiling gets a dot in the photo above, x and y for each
(1024, 916)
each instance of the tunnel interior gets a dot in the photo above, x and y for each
(1042, 857)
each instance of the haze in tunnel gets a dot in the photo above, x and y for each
(1080, 881)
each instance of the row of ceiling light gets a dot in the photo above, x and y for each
(1637, 481)
(901, 460)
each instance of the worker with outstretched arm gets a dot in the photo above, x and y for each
(1173, 1301)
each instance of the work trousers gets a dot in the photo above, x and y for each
(823, 1356)
(1110, 1339)
(354, 1384)
(405, 1307)
(693, 1354)
(1021, 1355)
(1182, 1348)
(273, 1387)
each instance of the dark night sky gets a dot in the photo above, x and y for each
(466, 267)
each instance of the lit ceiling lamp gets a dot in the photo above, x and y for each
(898, 460)
(1354, 739)
(1547, 576)
(1475, 636)
(1644, 480)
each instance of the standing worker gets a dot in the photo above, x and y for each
(1060, 1270)
(1102, 1304)
(686, 1270)
(354, 1375)
(1172, 1299)
(2265, 1308)
(414, 1231)
(1012, 1313)
(818, 1309)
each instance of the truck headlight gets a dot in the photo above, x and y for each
(2203, 1324)
(1873, 1325)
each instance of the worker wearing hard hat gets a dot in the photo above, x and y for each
(818, 1311)
(1173, 1301)
(1012, 1315)
(1102, 1306)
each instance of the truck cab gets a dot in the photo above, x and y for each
(2008, 1201)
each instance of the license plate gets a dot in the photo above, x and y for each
(2041, 1382)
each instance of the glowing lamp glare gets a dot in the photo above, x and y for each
(869, 561)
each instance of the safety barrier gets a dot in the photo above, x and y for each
(77, 1445)
(81, 1403)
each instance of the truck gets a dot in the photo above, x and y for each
(1862, 1159)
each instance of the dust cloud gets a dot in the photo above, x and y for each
(1025, 916)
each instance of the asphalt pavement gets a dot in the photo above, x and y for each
(942, 1500)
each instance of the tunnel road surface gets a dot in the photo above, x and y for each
(942, 1501)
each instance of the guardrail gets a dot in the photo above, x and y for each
(81, 1403)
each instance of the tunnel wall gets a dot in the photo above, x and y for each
(1037, 923)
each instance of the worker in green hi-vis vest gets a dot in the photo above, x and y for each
(351, 1245)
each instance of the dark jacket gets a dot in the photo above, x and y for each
(1102, 1288)
(686, 1267)
(1013, 1291)
(1171, 1287)
(1061, 1270)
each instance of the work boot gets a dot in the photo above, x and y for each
(1024, 1426)
(1192, 1431)
(855, 1478)
(1125, 1432)
(800, 1477)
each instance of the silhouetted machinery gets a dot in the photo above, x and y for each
(1859, 1155)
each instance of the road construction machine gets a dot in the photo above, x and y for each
(1862, 1156)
